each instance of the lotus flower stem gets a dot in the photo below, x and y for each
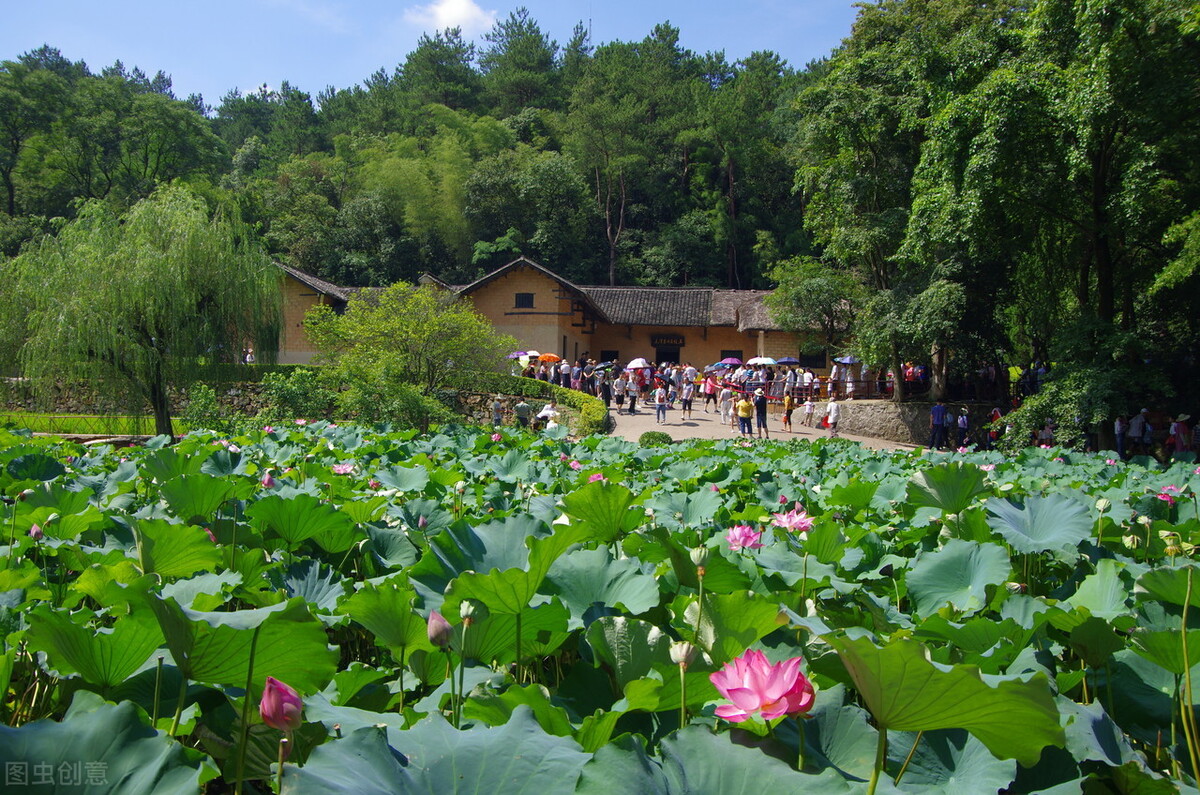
(183, 685)
(462, 675)
(800, 743)
(1189, 711)
(682, 696)
(245, 728)
(402, 656)
(1174, 737)
(880, 758)
(283, 754)
(518, 667)
(157, 692)
(908, 758)
(12, 536)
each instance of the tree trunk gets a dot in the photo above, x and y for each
(160, 404)
(897, 375)
(939, 368)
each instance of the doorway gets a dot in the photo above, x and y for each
(666, 355)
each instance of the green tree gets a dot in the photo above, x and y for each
(518, 65)
(817, 300)
(441, 70)
(135, 303)
(403, 334)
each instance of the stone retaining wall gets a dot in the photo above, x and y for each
(900, 422)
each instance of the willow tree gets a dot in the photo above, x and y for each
(137, 304)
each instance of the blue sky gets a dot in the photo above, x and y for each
(211, 46)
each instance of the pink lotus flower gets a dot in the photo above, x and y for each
(36, 533)
(599, 476)
(1110, 461)
(422, 523)
(497, 437)
(343, 468)
(987, 467)
(1166, 497)
(280, 706)
(374, 484)
(963, 450)
(783, 500)
(715, 487)
(1196, 471)
(439, 630)
(743, 536)
(268, 482)
(268, 429)
(302, 422)
(575, 465)
(563, 457)
(211, 537)
(756, 687)
(1059, 459)
(794, 521)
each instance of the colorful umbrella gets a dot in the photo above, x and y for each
(788, 360)
(762, 360)
(517, 354)
(730, 360)
(637, 363)
(549, 357)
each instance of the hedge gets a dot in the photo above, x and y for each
(593, 414)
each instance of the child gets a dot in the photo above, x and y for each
(809, 408)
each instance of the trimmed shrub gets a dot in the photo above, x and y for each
(593, 415)
(654, 439)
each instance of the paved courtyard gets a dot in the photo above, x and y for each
(709, 426)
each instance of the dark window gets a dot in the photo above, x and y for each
(814, 360)
(524, 301)
(609, 356)
(732, 355)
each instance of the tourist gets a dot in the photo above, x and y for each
(549, 415)
(618, 390)
(726, 404)
(760, 413)
(789, 405)
(686, 391)
(521, 412)
(660, 404)
(710, 391)
(963, 426)
(1179, 439)
(497, 411)
(603, 387)
(810, 407)
(1120, 427)
(744, 410)
(937, 425)
(833, 413)
(1136, 431)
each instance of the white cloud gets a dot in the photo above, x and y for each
(442, 14)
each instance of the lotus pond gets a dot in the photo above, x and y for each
(321, 609)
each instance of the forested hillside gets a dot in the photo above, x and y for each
(959, 183)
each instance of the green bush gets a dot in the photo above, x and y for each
(402, 405)
(203, 411)
(298, 392)
(654, 439)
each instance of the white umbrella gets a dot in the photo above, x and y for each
(762, 360)
(637, 363)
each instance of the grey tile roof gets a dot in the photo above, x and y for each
(320, 285)
(654, 306)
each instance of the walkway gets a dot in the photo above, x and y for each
(709, 426)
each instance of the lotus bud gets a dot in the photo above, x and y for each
(280, 706)
(268, 481)
(1016, 587)
(699, 556)
(471, 611)
(36, 533)
(1103, 504)
(422, 523)
(440, 631)
(1145, 521)
(24, 495)
(683, 654)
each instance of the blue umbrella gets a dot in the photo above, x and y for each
(788, 360)
(848, 360)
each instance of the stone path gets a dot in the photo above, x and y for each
(709, 426)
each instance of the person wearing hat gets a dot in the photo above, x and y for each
(760, 413)
(833, 413)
